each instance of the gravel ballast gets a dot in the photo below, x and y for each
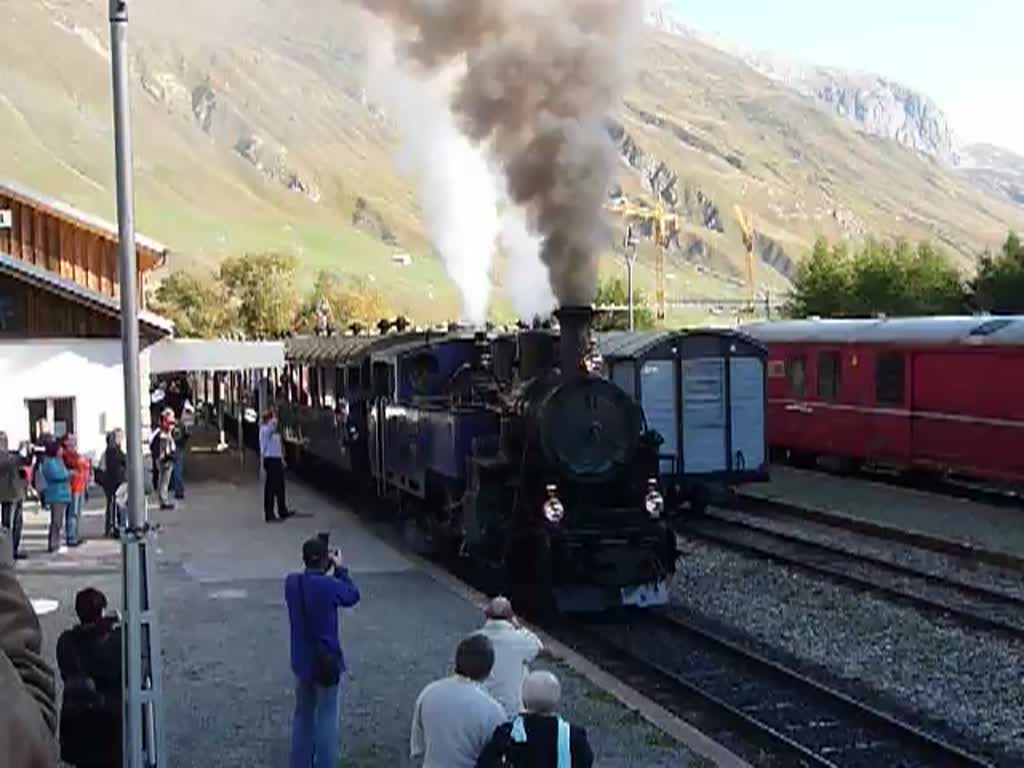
(947, 566)
(970, 680)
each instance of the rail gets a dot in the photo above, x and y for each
(749, 702)
(969, 604)
(756, 504)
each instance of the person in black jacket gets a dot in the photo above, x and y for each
(89, 659)
(113, 475)
(538, 738)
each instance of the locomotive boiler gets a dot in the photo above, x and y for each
(566, 495)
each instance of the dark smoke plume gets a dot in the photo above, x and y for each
(538, 79)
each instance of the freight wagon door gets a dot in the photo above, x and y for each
(658, 398)
(704, 416)
(746, 382)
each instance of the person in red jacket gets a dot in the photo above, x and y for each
(79, 468)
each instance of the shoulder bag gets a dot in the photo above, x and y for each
(326, 663)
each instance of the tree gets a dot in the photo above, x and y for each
(613, 292)
(263, 292)
(881, 278)
(354, 301)
(999, 285)
(823, 283)
(196, 303)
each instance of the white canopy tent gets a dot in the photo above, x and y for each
(198, 355)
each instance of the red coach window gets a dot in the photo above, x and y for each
(797, 372)
(889, 379)
(829, 370)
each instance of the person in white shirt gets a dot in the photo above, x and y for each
(515, 648)
(272, 455)
(455, 718)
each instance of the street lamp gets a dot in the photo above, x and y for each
(629, 246)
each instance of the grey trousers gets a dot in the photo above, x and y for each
(57, 510)
(164, 483)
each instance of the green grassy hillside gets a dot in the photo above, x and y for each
(251, 133)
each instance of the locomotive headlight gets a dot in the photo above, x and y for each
(654, 502)
(553, 509)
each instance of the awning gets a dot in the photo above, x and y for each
(185, 355)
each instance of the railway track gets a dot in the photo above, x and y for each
(968, 604)
(768, 713)
(754, 504)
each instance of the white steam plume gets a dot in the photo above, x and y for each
(527, 282)
(539, 78)
(457, 190)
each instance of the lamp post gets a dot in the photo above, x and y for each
(629, 245)
(143, 731)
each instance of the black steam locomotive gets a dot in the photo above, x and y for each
(511, 450)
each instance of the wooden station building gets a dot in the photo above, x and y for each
(60, 319)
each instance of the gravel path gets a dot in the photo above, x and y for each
(970, 680)
(948, 566)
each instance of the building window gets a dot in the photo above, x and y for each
(797, 373)
(829, 375)
(55, 415)
(889, 377)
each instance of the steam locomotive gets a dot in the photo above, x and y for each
(511, 451)
(530, 454)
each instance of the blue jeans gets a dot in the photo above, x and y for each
(72, 516)
(316, 729)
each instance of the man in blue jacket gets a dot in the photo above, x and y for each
(314, 597)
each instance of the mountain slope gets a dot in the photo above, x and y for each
(998, 170)
(251, 132)
(876, 105)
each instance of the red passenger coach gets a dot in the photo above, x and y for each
(944, 393)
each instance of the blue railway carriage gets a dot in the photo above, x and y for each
(420, 429)
(323, 398)
(704, 392)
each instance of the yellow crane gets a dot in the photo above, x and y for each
(749, 233)
(665, 228)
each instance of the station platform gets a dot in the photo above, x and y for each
(993, 528)
(224, 631)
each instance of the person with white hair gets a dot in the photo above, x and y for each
(539, 738)
(515, 648)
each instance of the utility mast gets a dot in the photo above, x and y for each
(749, 234)
(664, 229)
(143, 704)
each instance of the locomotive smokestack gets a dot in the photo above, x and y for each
(574, 340)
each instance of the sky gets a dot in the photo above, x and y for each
(967, 55)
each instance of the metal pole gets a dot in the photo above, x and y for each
(630, 251)
(128, 270)
(141, 651)
(629, 286)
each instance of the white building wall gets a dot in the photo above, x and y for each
(89, 370)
